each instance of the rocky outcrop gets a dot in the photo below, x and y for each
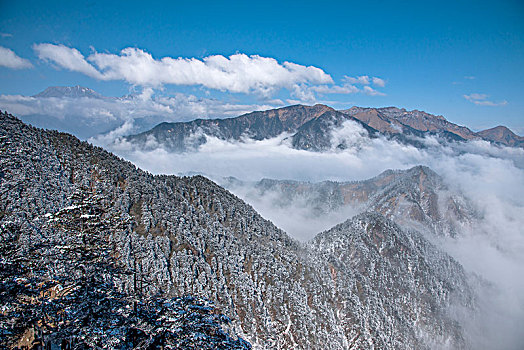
(503, 135)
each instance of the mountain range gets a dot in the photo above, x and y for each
(311, 128)
(94, 247)
(417, 198)
(306, 127)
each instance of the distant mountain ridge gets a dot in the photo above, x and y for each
(416, 198)
(259, 125)
(69, 91)
(503, 135)
(396, 120)
(311, 128)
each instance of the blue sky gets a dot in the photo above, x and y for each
(460, 59)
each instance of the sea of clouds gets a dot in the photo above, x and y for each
(490, 176)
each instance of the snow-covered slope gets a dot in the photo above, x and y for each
(417, 198)
(69, 91)
(364, 284)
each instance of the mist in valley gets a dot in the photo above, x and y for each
(490, 177)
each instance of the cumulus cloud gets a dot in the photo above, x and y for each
(66, 57)
(368, 90)
(335, 89)
(379, 82)
(351, 85)
(307, 94)
(236, 73)
(365, 80)
(10, 59)
(482, 100)
(303, 93)
(362, 80)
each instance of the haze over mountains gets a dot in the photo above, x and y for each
(68, 91)
(86, 113)
(417, 198)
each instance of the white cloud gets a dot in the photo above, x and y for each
(66, 57)
(10, 59)
(236, 73)
(297, 217)
(482, 100)
(365, 81)
(335, 89)
(474, 97)
(274, 158)
(88, 117)
(368, 90)
(378, 82)
(304, 94)
(362, 80)
(6, 35)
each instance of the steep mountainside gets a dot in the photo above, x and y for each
(316, 134)
(502, 135)
(366, 258)
(396, 120)
(257, 125)
(392, 120)
(416, 198)
(363, 284)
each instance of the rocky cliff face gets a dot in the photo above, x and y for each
(364, 284)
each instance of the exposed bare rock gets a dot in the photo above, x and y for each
(503, 135)
(398, 120)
